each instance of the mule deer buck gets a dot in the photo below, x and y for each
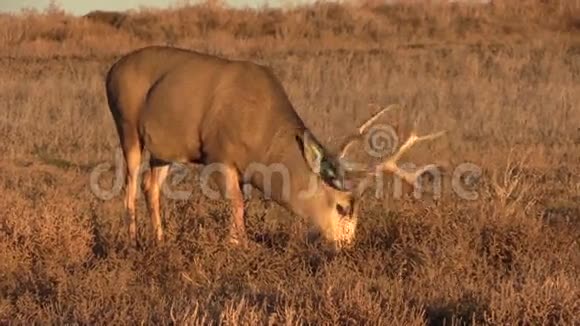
(188, 107)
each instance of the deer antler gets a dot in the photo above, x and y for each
(361, 130)
(391, 163)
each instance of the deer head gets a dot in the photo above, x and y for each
(334, 199)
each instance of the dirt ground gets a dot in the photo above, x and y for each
(503, 80)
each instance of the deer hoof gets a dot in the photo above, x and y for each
(238, 241)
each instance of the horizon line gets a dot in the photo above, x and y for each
(180, 4)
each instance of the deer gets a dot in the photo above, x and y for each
(184, 106)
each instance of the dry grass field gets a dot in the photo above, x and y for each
(503, 79)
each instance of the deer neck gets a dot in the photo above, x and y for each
(285, 176)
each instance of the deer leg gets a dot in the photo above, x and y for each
(229, 185)
(132, 152)
(238, 228)
(151, 187)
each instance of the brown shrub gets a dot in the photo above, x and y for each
(501, 78)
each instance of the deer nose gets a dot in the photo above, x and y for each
(313, 235)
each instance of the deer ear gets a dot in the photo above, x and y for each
(312, 151)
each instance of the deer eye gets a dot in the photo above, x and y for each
(341, 210)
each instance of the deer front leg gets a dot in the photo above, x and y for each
(237, 225)
(229, 184)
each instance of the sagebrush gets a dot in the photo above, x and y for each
(501, 78)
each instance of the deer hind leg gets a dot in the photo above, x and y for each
(152, 182)
(132, 152)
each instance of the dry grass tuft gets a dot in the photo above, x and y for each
(502, 78)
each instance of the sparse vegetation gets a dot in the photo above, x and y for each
(502, 78)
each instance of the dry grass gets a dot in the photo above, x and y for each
(504, 80)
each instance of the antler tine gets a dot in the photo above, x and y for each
(412, 140)
(361, 129)
(391, 163)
